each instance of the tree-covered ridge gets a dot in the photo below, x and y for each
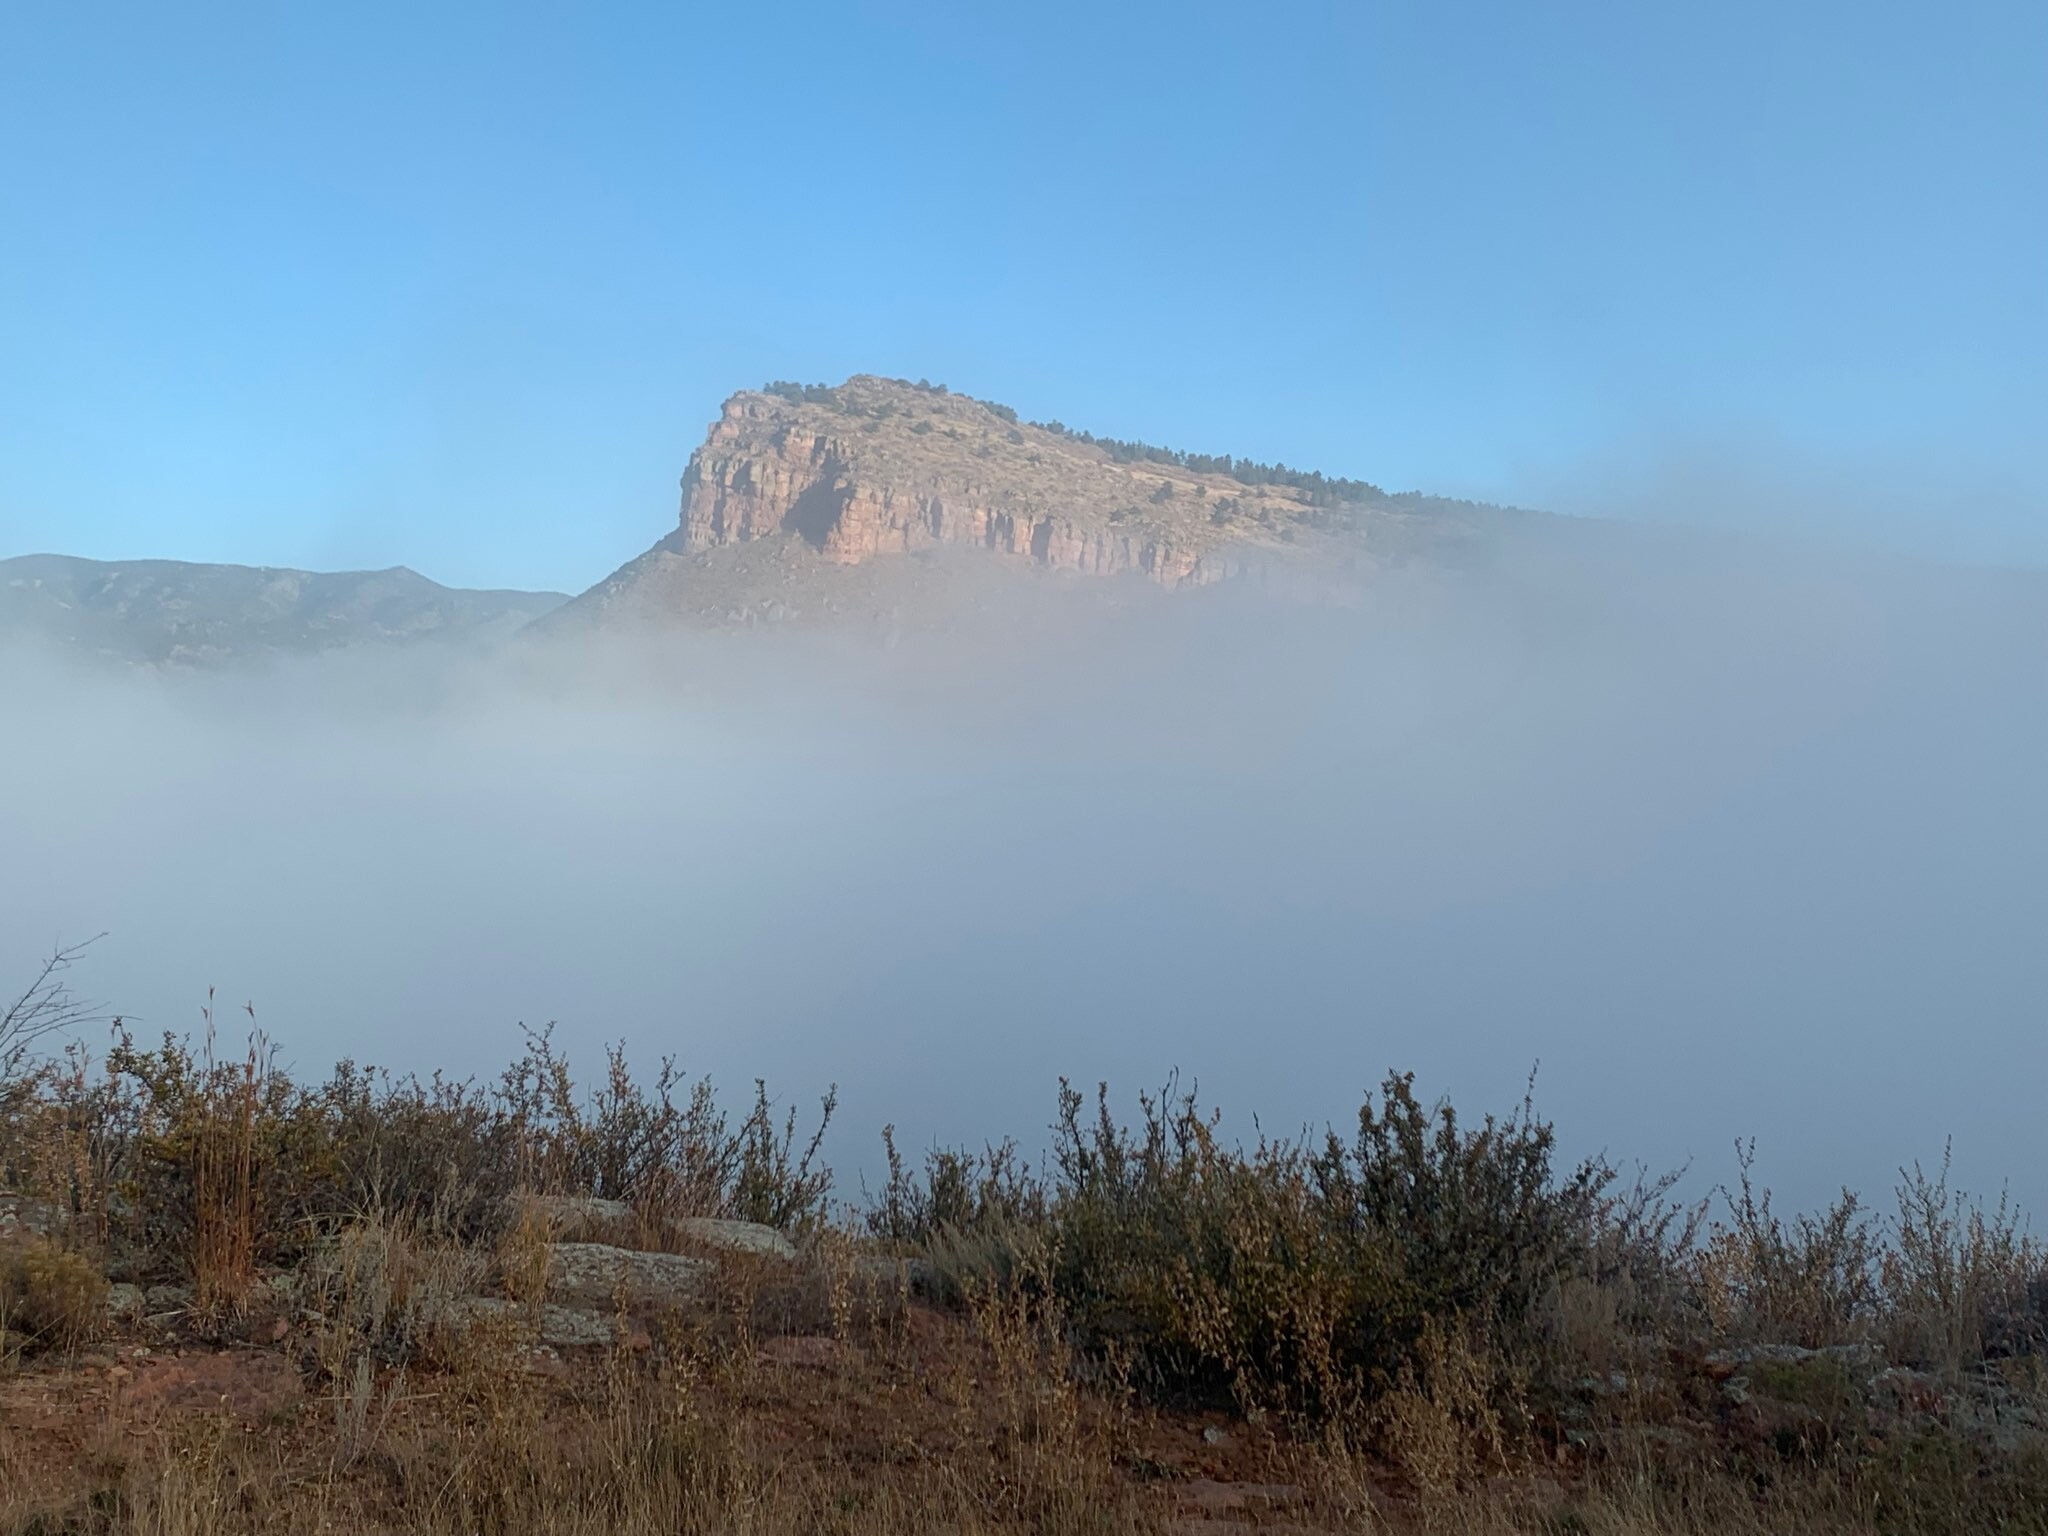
(1320, 489)
(802, 394)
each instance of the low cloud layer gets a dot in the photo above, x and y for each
(1735, 843)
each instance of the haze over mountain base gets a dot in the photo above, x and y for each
(1733, 841)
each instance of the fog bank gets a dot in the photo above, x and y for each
(1734, 842)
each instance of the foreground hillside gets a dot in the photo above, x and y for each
(232, 1303)
(171, 611)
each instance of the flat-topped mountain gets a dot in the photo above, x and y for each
(873, 501)
(171, 611)
(874, 469)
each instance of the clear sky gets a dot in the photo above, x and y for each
(460, 286)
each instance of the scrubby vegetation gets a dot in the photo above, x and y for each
(1313, 1280)
(182, 1166)
(49, 1295)
(1306, 499)
(802, 394)
(1321, 490)
(1418, 1321)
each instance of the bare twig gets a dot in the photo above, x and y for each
(46, 1008)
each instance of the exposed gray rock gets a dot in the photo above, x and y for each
(1858, 1359)
(125, 1303)
(614, 1223)
(734, 1236)
(599, 1275)
(571, 1328)
(1894, 1398)
(159, 1299)
(1997, 1417)
(1908, 1397)
(554, 1326)
(23, 1213)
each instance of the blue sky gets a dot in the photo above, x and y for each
(459, 286)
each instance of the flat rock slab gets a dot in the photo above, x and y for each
(615, 1224)
(599, 1276)
(734, 1236)
(555, 1326)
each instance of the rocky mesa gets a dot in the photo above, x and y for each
(853, 475)
(875, 467)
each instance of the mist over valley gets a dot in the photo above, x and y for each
(1734, 838)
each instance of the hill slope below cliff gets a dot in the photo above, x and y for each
(169, 611)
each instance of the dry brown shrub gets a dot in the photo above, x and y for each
(49, 1295)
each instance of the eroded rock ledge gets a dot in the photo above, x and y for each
(889, 469)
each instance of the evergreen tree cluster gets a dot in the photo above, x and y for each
(803, 394)
(1322, 490)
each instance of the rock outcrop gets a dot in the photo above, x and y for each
(24, 1215)
(725, 1236)
(599, 1275)
(586, 1219)
(826, 474)
(801, 504)
(557, 1327)
(578, 1218)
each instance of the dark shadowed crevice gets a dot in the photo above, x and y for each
(816, 511)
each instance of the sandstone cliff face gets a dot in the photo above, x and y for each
(765, 470)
